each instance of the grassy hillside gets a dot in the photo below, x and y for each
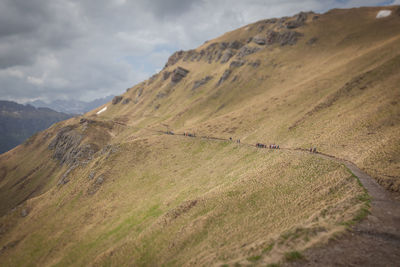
(110, 188)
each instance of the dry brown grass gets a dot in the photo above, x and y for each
(179, 201)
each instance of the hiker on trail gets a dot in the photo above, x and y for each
(310, 150)
(230, 138)
(315, 150)
(278, 147)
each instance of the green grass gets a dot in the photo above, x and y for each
(254, 258)
(268, 248)
(293, 256)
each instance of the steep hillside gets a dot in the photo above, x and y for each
(126, 185)
(19, 122)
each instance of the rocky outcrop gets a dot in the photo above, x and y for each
(259, 39)
(201, 82)
(289, 38)
(299, 21)
(24, 212)
(224, 76)
(226, 56)
(95, 186)
(91, 175)
(235, 45)
(312, 41)
(178, 74)
(237, 63)
(272, 37)
(68, 149)
(282, 38)
(247, 50)
(116, 99)
(139, 93)
(174, 58)
(166, 75)
(152, 79)
(126, 101)
(255, 64)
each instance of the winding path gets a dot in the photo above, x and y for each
(375, 241)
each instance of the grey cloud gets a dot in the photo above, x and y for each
(91, 48)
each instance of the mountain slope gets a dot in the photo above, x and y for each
(19, 122)
(113, 188)
(71, 106)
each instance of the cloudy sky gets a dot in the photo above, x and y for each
(86, 49)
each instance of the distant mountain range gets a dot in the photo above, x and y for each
(71, 106)
(19, 122)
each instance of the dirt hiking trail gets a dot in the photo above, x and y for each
(375, 241)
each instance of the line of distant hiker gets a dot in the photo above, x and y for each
(259, 145)
(273, 146)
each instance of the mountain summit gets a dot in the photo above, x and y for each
(184, 168)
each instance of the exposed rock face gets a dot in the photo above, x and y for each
(152, 79)
(201, 82)
(247, 50)
(298, 22)
(126, 101)
(178, 74)
(224, 76)
(116, 99)
(91, 175)
(175, 57)
(223, 45)
(166, 75)
(68, 149)
(259, 39)
(24, 212)
(272, 37)
(214, 52)
(237, 63)
(226, 56)
(235, 45)
(161, 95)
(270, 21)
(108, 150)
(190, 55)
(312, 41)
(289, 38)
(100, 180)
(95, 186)
(138, 95)
(64, 178)
(255, 64)
(283, 38)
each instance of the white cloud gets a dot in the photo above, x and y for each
(87, 49)
(35, 80)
